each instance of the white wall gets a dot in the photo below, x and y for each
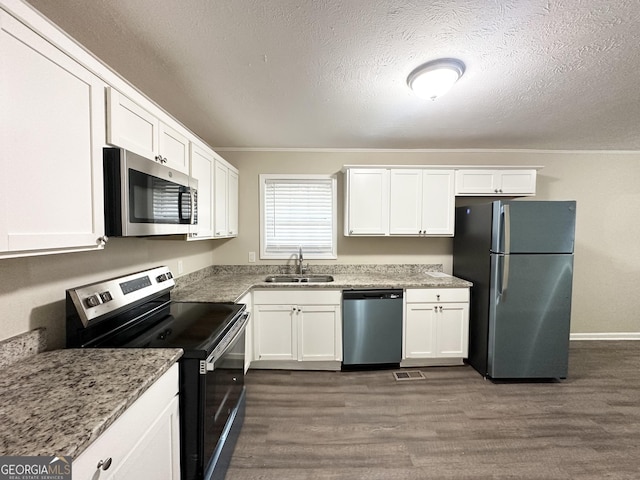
(605, 185)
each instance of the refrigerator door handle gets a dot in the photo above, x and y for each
(507, 229)
(505, 276)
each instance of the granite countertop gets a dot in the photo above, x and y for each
(59, 402)
(222, 285)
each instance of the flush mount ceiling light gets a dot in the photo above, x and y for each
(435, 78)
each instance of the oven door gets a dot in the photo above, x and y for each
(224, 404)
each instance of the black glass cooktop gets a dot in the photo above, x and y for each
(196, 327)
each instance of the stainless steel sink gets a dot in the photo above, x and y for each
(298, 278)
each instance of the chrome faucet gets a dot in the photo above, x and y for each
(300, 259)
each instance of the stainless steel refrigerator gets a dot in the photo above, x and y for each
(519, 256)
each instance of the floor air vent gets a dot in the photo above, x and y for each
(410, 375)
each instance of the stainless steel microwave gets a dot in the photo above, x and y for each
(143, 197)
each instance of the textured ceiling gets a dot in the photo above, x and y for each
(556, 74)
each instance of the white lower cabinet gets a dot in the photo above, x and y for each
(247, 300)
(144, 442)
(297, 329)
(436, 325)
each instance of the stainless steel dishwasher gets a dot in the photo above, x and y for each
(371, 327)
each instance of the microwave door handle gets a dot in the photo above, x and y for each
(181, 203)
(193, 199)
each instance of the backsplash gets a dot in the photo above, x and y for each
(22, 346)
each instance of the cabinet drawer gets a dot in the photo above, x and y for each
(435, 295)
(296, 296)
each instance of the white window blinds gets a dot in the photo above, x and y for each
(298, 212)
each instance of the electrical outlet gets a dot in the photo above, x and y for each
(252, 257)
(180, 267)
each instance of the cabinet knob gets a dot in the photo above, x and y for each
(350, 232)
(104, 464)
(440, 307)
(435, 309)
(438, 297)
(103, 240)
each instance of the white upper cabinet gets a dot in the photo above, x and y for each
(366, 201)
(133, 128)
(405, 202)
(174, 148)
(495, 182)
(53, 120)
(421, 202)
(399, 201)
(226, 200)
(202, 165)
(130, 126)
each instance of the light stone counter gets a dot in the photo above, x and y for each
(229, 283)
(59, 402)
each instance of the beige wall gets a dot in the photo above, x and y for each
(607, 261)
(605, 185)
(32, 289)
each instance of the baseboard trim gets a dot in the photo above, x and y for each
(606, 336)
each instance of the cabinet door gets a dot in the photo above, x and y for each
(202, 165)
(438, 202)
(319, 332)
(496, 182)
(52, 117)
(232, 199)
(367, 202)
(221, 206)
(405, 202)
(157, 453)
(174, 148)
(275, 335)
(452, 330)
(419, 332)
(143, 442)
(477, 182)
(520, 182)
(130, 126)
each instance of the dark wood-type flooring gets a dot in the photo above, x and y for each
(452, 425)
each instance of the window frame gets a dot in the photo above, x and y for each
(333, 255)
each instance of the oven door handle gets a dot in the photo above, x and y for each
(218, 352)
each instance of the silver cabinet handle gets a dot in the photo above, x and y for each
(104, 464)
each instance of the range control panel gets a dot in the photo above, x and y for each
(99, 299)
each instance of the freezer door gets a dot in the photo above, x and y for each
(529, 316)
(533, 227)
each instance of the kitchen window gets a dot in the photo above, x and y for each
(298, 211)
